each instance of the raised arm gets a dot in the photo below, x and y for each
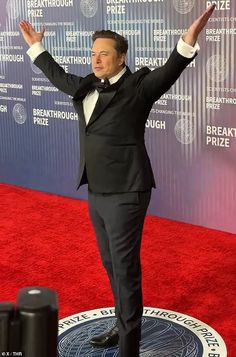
(157, 82)
(67, 83)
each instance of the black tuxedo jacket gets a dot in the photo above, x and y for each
(113, 157)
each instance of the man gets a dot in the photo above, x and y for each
(113, 105)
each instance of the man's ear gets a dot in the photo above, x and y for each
(122, 58)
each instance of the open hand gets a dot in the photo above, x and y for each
(29, 34)
(190, 37)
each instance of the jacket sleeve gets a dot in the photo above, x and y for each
(67, 83)
(159, 81)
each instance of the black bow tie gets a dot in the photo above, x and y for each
(101, 85)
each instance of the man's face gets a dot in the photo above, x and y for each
(106, 62)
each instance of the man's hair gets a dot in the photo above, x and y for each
(121, 44)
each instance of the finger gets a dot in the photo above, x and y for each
(27, 24)
(24, 25)
(211, 8)
(202, 20)
(24, 22)
(209, 11)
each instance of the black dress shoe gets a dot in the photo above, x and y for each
(107, 339)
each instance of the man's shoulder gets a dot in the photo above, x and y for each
(138, 75)
(142, 71)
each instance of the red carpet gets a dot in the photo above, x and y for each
(48, 240)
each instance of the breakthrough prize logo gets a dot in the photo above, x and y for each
(19, 113)
(217, 68)
(89, 7)
(185, 131)
(183, 6)
(164, 333)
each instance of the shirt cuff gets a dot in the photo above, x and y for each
(35, 50)
(186, 50)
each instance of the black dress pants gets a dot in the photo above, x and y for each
(118, 222)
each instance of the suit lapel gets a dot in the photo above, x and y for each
(104, 99)
(85, 86)
(80, 110)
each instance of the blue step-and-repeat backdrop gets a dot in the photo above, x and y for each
(191, 130)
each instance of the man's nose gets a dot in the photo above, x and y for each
(98, 59)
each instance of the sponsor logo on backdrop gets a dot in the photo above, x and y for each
(118, 7)
(217, 34)
(164, 332)
(217, 68)
(220, 136)
(215, 103)
(185, 131)
(36, 7)
(156, 124)
(89, 7)
(183, 6)
(42, 116)
(19, 113)
(220, 4)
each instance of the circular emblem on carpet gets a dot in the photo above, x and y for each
(164, 333)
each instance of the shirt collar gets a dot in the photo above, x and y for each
(115, 79)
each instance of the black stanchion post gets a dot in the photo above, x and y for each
(6, 314)
(37, 311)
